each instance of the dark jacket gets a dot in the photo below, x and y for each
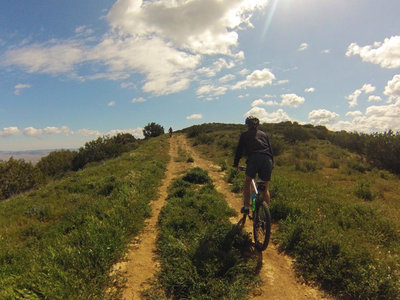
(252, 141)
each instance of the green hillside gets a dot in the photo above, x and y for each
(60, 241)
(338, 213)
(335, 198)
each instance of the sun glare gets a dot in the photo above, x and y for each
(270, 13)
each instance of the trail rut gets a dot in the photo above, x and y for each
(140, 265)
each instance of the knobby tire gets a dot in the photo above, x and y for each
(261, 225)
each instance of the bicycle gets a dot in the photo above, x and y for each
(260, 215)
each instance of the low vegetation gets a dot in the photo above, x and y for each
(202, 255)
(334, 197)
(60, 241)
(336, 205)
(17, 176)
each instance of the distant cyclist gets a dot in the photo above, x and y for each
(254, 144)
(170, 132)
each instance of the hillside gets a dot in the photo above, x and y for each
(336, 217)
(338, 214)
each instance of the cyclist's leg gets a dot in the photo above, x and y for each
(265, 192)
(264, 173)
(246, 191)
(251, 169)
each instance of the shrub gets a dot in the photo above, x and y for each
(296, 133)
(152, 130)
(278, 146)
(334, 164)
(56, 163)
(306, 166)
(203, 138)
(103, 148)
(18, 176)
(197, 175)
(363, 191)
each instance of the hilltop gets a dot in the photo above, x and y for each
(335, 205)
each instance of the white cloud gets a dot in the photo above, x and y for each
(21, 86)
(9, 131)
(243, 96)
(88, 132)
(353, 97)
(243, 72)
(386, 53)
(194, 117)
(138, 100)
(210, 89)
(168, 40)
(127, 85)
(355, 113)
(32, 132)
(392, 89)
(266, 117)
(256, 79)
(326, 51)
(374, 98)
(226, 78)
(291, 100)
(57, 130)
(368, 88)
(376, 119)
(303, 47)
(200, 26)
(111, 103)
(283, 81)
(137, 132)
(322, 117)
(83, 31)
(260, 102)
(310, 90)
(216, 67)
(54, 57)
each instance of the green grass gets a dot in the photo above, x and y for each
(338, 216)
(203, 256)
(60, 241)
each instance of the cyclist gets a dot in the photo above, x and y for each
(256, 146)
(170, 131)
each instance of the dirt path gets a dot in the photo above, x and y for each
(140, 265)
(276, 272)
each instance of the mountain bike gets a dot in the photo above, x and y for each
(259, 214)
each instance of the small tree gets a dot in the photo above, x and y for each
(152, 130)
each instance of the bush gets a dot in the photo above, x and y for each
(203, 139)
(296, 133)
(278, 146)
(18, 176)
(152, 130)
(363, 191)
(197, 175)
(56, 163)
(103, 148)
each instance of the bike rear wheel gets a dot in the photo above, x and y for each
(261, 225)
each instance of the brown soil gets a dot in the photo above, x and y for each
(141, 264)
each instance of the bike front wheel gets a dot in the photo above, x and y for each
(261, 225)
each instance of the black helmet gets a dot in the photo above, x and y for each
(252, 121)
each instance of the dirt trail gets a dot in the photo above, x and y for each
(277, 269)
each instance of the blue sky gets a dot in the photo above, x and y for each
(71, 71)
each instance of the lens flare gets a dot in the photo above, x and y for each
(271, 10)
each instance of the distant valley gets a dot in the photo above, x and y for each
(29, 155)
